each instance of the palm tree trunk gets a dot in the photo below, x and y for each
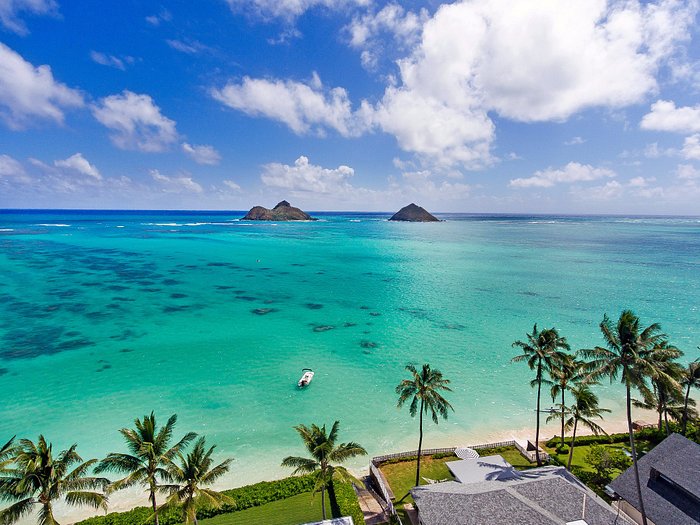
(537, 431)
(323, 502)
(634, 453)
(573, 440)
(153, 502)
(666, 422)
(420, 443)
(195, 519)
(561, 443)
(685, 409)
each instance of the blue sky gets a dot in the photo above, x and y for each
(477, 106)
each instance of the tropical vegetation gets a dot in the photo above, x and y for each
(324, 453)
(39, 479)
(423, 390)
(542, 352)
(149, 458)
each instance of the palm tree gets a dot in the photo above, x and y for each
(584, 410)
(541, 351)
(566, 373)
(6, 454)
(324, 452)
(189, 478)
(40, 479)
(629, 351)
(423, 388)
(690, 379)
(148, 459)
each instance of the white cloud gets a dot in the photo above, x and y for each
(12, 169)
(305, 177)
(163, 16)
(575, 141)
(665, 116)
(28, 92)
(572, 172)
(528, 61)
(80, 164)
(636, 187)
(190, 47)
(176, 184)
(231, 185)
(687, 172)
(10, 9)
(202, 154)
(136, 122)
(110, 60)
(289, 9)
(303, 107)
(691, 147)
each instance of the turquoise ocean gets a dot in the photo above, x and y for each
(106, 316)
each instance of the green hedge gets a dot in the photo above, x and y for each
(347, 502)
(648, 434)
(244, 498)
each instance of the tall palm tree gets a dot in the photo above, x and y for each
(628, 353)
(541, 351)
(584, 410)
(690, 379)
(324, 452)
(190, 477)
(566, 373)
(423, 389)
(40, 479)
(6, 454)
(150, 455)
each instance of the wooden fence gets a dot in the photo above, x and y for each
(378, 460)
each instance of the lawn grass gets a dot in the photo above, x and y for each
(302, 508)
(580, 452)
(402, 475)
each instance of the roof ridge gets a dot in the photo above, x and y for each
(533, 505)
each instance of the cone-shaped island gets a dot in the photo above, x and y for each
(413, 213)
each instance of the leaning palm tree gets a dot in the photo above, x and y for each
(189, 478)
(541, 351)
(40, 479)
(324, 452)
(690, 379)
(584, 410)
(150, 455)
(628, 352)
(566, 373)
(423, 389)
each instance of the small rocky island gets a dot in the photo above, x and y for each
(282, 212)
(413, 213)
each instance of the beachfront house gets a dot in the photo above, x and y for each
(670, 481)
(489, 491)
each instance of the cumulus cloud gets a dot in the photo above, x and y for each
(572, 172)
(403, 26)
(12, 169)
(568, 57)
(687, 172)
(289, 9)
(202, 154)
(665, 116)
(182, 183)
(111, 60)
(80, 164)
(691, 147)
(306, 177)
(637, 187)
(28, 92)
(575, 141)
(302, 107)
(10, 10)
(136, 122)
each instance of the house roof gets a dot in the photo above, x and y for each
(481, 469)
(542, 496)
(670, 479)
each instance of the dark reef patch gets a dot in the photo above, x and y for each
(313, 306)
(322, 327)
(348, 324)
(369, 344)
(264, 311)
(178, 295)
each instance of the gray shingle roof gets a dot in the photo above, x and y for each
(678, 460)
(543, 496)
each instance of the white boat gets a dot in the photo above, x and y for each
(306, 377)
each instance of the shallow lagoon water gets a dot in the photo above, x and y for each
(105, 316)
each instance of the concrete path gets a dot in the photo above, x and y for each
(371, 509)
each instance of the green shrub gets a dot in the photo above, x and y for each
(243, 497)
(563, 449)
(443, 455)
(347, 502)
